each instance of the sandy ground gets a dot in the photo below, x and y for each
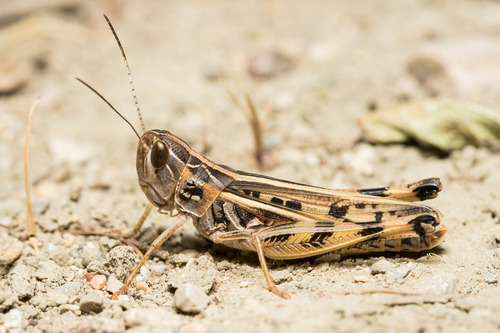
(339, 59)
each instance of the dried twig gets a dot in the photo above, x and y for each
(30, 222)
(256, 125)
(257, 129)
(414, 297)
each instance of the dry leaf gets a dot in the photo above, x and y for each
(442, 124)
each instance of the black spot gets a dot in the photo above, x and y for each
(267, 214)
(360, 205)
(419, 229)
(374, 206)
(370, 231)
(417, 223)
(367, 223)
(277, 201)
(425, 192)
(378, 216)
(319, 237)
(392, 212)
(293, 205)
(338, 211)
(428, 190)
(428, 219)
(279, 238)
(189, 192)
(324, 224)
(256, 194)
(183, 196)
(378, 192)
(247, 192)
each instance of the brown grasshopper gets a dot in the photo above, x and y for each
(277, 219)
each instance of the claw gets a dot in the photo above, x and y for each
(280, 293)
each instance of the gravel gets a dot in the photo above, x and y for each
(490, 278)
(190, 299)
(113, 284)
(381, 266)
(91, 302)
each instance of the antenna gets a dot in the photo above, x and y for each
(111, 106)
(129, 78)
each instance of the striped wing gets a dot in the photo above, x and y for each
(281, 201)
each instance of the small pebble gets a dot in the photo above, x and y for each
(68, 240)
(401, 272)
(381, 266)
(51, 247)
(244, 284)
(224, 265)
(13, 320)
(267, 63)
(68, 318)
(98, 282)
(91, 302)
(190, 298)
(141, 286)
(361, 278)
(69, 287)
(89, 276)
(158, 268)
(490, 278)
(124, 302)
(113, 284)
(323, 267)
(442, 283)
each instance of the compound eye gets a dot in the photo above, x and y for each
(159, 154)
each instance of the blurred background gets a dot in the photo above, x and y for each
(316, 67)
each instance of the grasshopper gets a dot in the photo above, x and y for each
(275, 218)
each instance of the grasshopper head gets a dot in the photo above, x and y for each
(161, 157)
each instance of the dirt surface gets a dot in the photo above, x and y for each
(321, 65)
